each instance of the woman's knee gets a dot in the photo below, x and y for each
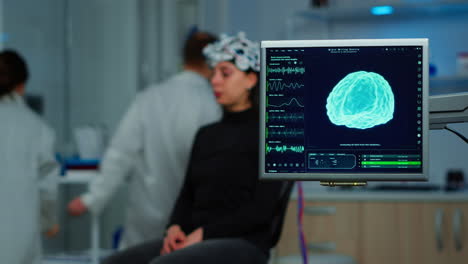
(214, 252)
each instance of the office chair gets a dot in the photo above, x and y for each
(280, 213)
(278, 220)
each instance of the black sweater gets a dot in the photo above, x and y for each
(221, 192)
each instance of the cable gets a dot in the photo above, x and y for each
(300, 229)
(457, 133)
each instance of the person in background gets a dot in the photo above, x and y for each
(223, 213)
(28, 170)
(152, 146)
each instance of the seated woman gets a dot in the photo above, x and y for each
(223, 213)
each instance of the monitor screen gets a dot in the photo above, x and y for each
(344, 110)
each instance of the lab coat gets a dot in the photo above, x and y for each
(27, 169)
(152, 146)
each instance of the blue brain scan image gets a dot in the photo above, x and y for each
(361, 100)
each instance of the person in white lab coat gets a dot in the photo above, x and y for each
(27, 169)
(152, 145)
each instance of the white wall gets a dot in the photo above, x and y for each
(213, 15)
(150, 43)
(103, 61)
(261, 19)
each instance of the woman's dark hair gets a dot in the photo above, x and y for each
(13, 71)
(255, 91)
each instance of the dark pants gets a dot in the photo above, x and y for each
(213, 251)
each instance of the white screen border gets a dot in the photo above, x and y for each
(348, 177)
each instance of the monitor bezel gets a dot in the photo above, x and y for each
(348, 177)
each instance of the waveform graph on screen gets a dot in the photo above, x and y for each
(280, 102)
(285, 70)
(278, 85)
(285, 97)
(285, 132)
(284, 117)
(284, 149)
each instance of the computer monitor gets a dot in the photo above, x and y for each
(344, 110)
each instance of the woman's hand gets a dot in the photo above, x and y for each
(174, 239)
(77, 207)
(195, 237)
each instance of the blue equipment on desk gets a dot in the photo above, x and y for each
(76, 163)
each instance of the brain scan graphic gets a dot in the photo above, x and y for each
(361, 100)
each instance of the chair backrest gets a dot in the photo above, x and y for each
(278, 220)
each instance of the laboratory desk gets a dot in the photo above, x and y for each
(402, 227)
